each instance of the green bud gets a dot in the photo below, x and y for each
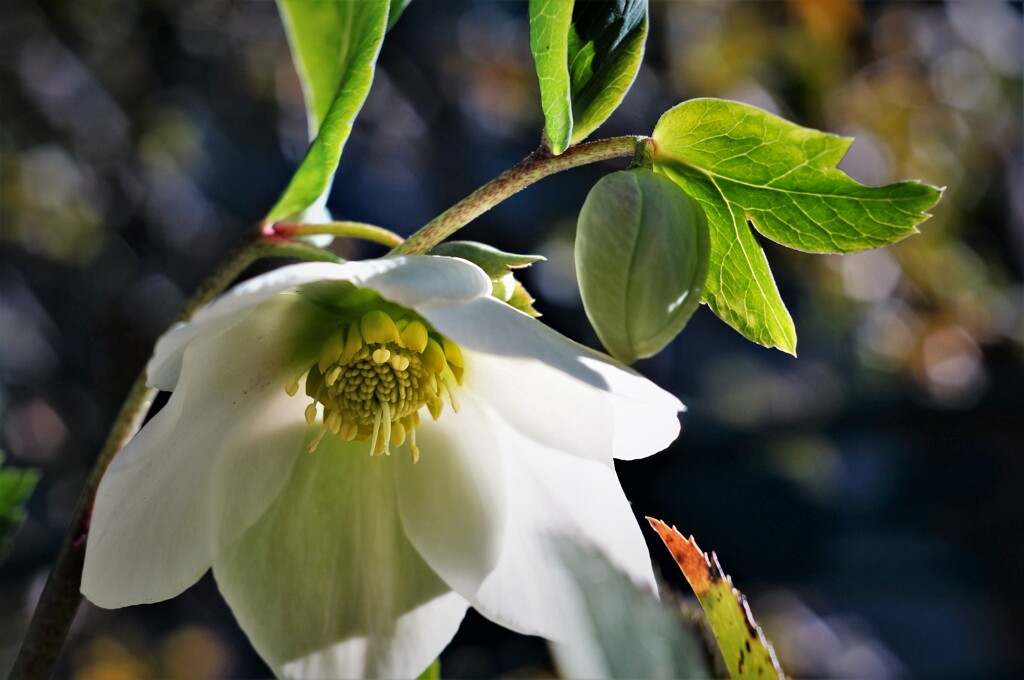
(642, 250)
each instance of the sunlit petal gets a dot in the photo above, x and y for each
(453, 502)
(173, 497)
(555, 391)
(327, 585)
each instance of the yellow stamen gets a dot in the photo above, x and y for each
(316, 440)
(397, 434)
(373, 375)
(413, 449)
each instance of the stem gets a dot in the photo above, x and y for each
(360, 230)
(61, 596)
(534, 167)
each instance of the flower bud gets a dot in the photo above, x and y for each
(642, 250)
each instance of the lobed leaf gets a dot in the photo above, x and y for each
(334, 44)
(587, 53)
(749, 168)
(746, 651)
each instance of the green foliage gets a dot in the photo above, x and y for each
(749, 167)
(619, 630)
(334, 44)
(641, 258)
(549, 41)
(395, 10)
(15, 488)
(587, 55)
(433, 671)
(745, 650)
(498, 265)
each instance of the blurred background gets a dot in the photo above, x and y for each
(868, 496)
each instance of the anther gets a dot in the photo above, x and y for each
(381, 355)
(333, 422)
(316, 440)
(397, 434)
(311, 413)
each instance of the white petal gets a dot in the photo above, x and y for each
(327, 585)
(555, 391)
(452, 501)
(415, 281)
(548, 493)
(206, 466)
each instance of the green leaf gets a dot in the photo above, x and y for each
(745, 650)
(15, 488)
(334, 44)
(587, 55)
(619, 630)
(395, 11)
(606, 46)
(549, 41)
(641, 257)
(748, 168)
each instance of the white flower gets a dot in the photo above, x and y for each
(339, 563)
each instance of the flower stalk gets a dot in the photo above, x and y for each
(60, 597)
(538, 165)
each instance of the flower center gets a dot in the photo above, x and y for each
(372, 377)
